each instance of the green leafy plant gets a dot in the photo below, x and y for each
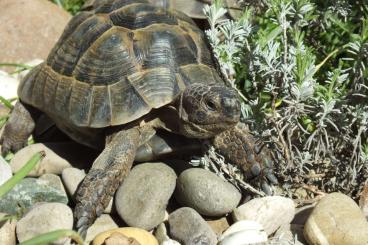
(300, 68)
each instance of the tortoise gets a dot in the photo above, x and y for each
(119, 74)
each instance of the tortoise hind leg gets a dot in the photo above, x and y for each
(18, 128)
(105, 176)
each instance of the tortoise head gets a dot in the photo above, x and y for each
(207, 110)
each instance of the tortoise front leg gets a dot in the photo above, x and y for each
(18, 128)
(239, 147)
(106, 174)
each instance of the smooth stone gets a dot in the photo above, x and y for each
(51, 163)
(72, 177)
(27, 193)
(219, 225)
(363, 201)
(162, 237)
(244, 232)
(284, 235)
(271, 212)
(189, 228)
(302, 214)
(53, 181)
(207, 193)
(7, 230)
(142, 198)
(102, 224)
(32, 33)
(142, 236)
(337, 220)
(44, 218)
(5, 171)
(8, 84)
(120, 239)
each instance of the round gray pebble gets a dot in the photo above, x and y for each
(189, 228)
(207, 193)
(142, 198)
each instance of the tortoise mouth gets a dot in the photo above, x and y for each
(205, 131)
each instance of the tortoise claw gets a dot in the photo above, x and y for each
(256, 169)
(272, 178)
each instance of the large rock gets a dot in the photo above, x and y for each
(29, 29)
(207, 193)
(189, 228)
(142, 198)
(27, 193)
(44, 218)
(271, 212)
(337, 220)
(51, 163)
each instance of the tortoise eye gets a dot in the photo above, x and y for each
(211, 105)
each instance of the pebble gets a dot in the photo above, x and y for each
(271, 212)
(120, 239)
(142, 236)
(162, 237)
(44, 218)
(218, 225)
(7, 231)
(53, 181)
(244, 232)
(5, 171)
(142, 198)
(8, 84)
(27, 193)
(52, 163)
(337, 220)
(189, 228)
(102, 224)
(72, 177)
(207, 193)
(32, 33)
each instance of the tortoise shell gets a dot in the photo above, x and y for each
(115, 64)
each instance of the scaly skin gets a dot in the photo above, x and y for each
(105, 176)
(19, 127)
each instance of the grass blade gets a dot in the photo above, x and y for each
(49, 237)
(6, 102)
(8, 185)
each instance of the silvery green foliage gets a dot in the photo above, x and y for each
(316, 123)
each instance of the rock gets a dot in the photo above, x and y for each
(218, 225)
(44, 218)
(142, 236)
(284, 235)
(117, 238)
(53, 181)
(32, 33)
(162, 237)
(244, 232)
(363, 201)
(189, 228)
(102, 224)
(72, 177)
(7, 230)
(271, 212)
(206, 192)
(142, 198)
(5, 171)
(337, 220)
(8, 84)
(28, 192)
(51, 164)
